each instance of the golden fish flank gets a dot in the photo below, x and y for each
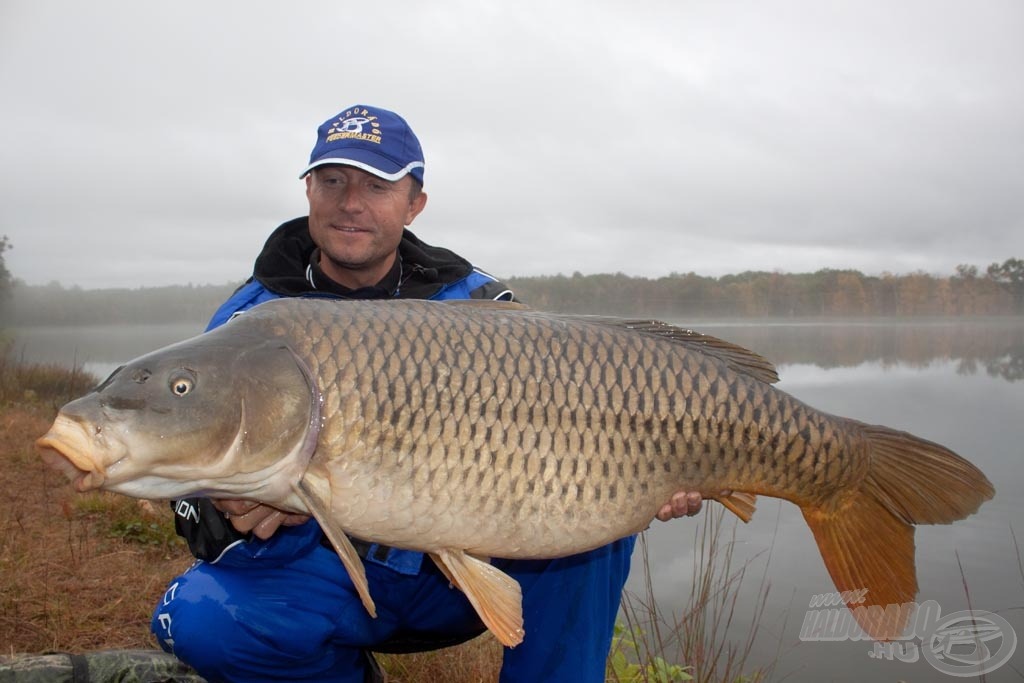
(478, 429)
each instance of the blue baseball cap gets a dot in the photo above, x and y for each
(375, 140)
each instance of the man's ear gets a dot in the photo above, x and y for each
(416, 205)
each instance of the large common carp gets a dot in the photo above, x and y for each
(470, 430)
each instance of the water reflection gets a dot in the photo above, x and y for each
(1010, 367)
(992, 346)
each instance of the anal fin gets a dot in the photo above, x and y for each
(349, 557)
(495, 595)
(740, 504)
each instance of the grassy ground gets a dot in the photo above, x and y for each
(77, 572)
(82, 572)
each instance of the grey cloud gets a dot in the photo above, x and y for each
(149, 146)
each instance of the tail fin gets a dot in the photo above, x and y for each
(867, 538)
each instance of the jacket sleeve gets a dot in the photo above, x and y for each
(476, 285)
(206, 530)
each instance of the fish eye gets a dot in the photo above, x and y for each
(182, 384)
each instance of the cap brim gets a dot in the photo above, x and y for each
(365, 160)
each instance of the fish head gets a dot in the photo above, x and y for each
(225, 415)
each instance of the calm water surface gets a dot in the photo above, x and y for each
(98, 349)
(958, 383)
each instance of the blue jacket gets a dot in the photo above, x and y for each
(475, 285)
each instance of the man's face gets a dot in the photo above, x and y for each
(357, 219)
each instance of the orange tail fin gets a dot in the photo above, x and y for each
(867, 537)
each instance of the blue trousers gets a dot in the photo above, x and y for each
(287, 610)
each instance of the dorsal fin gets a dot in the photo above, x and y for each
(736, 357)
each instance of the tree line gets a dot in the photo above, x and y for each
(999, 290)
(54, 304)
(825, 293)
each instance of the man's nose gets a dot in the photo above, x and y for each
(351, 199)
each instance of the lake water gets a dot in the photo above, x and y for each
(960, 383)
(98, 349)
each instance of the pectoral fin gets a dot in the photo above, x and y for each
(339, 539)
(740, 504)
(495, 596)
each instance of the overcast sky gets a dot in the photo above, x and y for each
(159, 143)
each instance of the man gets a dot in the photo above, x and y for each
(268, 598)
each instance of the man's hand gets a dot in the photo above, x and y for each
(683, 504)
(262, 520)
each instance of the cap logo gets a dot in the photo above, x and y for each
(352, 125)
(375, 140)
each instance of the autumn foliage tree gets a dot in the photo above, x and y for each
(827, 292)
(1010, 274)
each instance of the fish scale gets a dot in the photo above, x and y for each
(469, 429)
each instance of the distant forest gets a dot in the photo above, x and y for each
(827, 293)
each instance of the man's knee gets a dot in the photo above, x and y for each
(193, 624)
(212, 620)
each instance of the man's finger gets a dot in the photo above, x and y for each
(681, 504)
(295, 520)
(692, 504)
(234, 506)
(266, 527)
(247, 521)
(665, 513)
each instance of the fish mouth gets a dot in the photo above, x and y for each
(65, 448)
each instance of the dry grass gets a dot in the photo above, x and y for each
(477, 661)
(698, 644)
(73, 577)
(77, 573)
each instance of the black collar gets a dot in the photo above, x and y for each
(385, 289)
(284, 263)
